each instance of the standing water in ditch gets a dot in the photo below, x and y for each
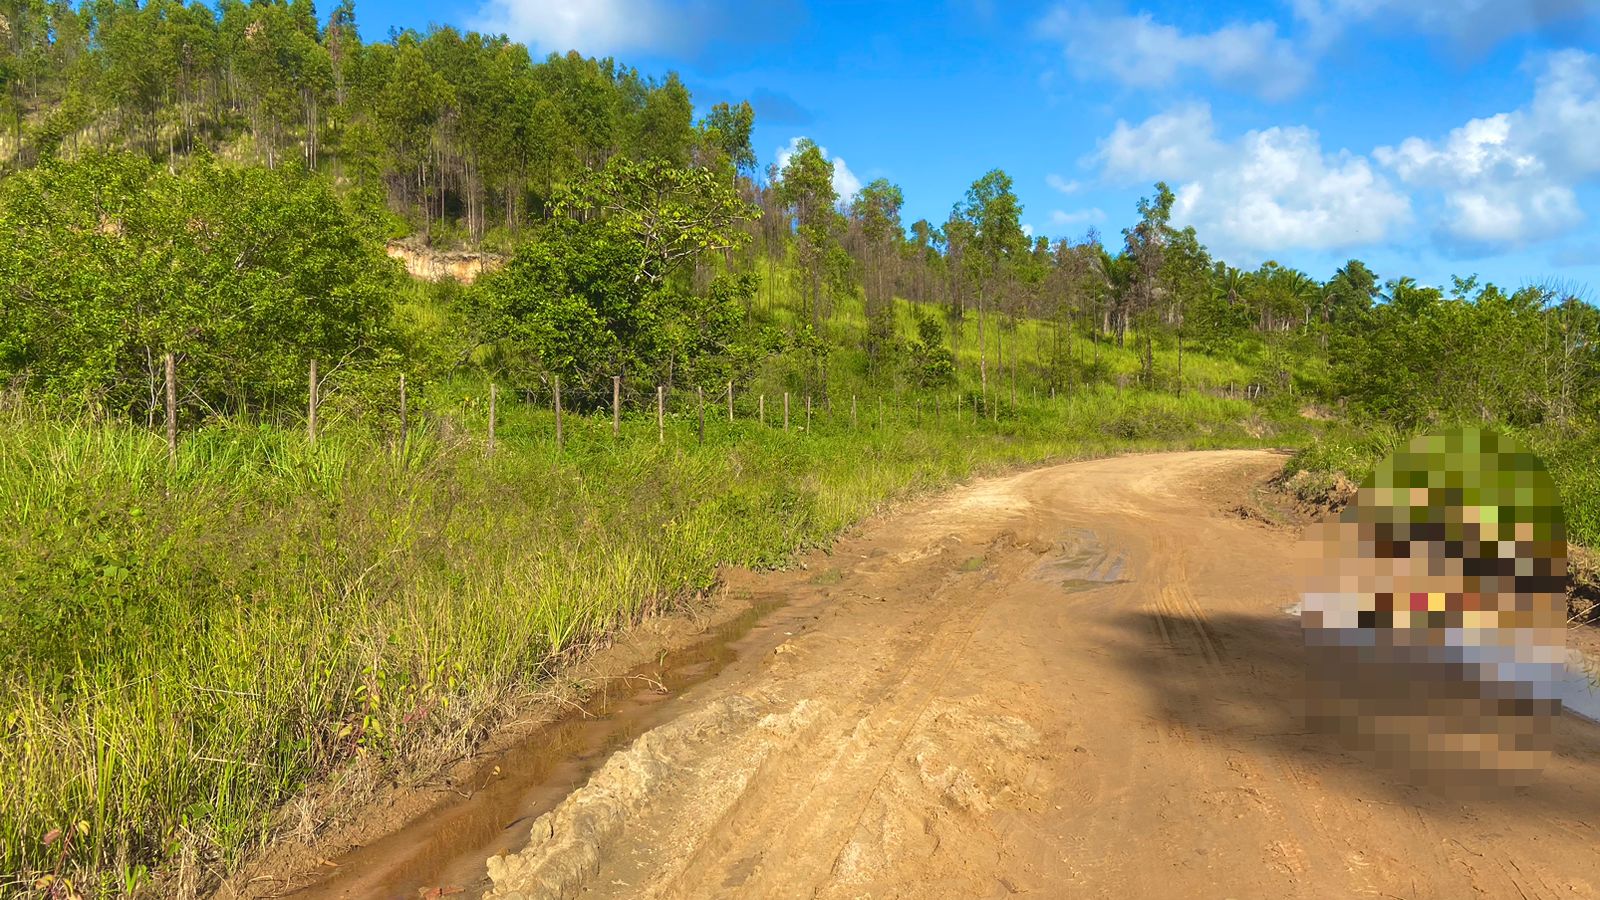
(442, 852)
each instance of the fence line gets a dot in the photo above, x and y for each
(593, 403)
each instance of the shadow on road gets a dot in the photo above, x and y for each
(1238, 681)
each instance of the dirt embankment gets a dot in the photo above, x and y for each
(428, 264)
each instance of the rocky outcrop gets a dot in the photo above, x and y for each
(428, 264)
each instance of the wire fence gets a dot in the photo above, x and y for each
(629, 400)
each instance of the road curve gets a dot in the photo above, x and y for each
(1073, 682)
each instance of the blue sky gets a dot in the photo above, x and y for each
(1427, 137)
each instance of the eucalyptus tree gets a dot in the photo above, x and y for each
(1144, 249)
(876, 211)
(995, 216)
(806, 191)
(726, 128)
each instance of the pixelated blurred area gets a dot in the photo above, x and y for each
(1434, 613)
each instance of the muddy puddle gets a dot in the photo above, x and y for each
(1082, 563)
(442, 853)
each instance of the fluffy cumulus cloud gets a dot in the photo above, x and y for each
(845, 182)
(1510, 178)
(1267, 191)
(1138, 51)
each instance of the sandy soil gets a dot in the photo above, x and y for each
(1076, 681)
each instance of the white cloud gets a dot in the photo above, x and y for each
(1138, 51)
(1510, 178)
(1473, 24)
(1177, 144)
(589, 26)
(1253, 56)
(1062, 218)
(1062, 184)
(1270, 190)
(845, 182)
(1027, 232)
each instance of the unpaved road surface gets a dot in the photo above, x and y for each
(1073, 682)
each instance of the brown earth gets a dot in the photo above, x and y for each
(1076, 681)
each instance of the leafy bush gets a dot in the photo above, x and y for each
(108, 262)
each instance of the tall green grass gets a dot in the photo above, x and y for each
(187, 647)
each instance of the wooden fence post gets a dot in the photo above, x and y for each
(700, 394)
(172, 409)
(494, 397)
(785, 410)
(730, 401)
(808, 412)
(880, 411)
(560, 438)
(761, 409)
(311, 406)
(852, 412)
(616, 406)
(661, 415)
(403, 414)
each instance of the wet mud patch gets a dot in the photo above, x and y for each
(1080, 562)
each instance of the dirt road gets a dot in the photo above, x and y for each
(1077, 681)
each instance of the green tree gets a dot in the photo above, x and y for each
(806, 190)
(602, 289)
(245, 274)
(876, 209)
(994, 215)
(727, 128)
